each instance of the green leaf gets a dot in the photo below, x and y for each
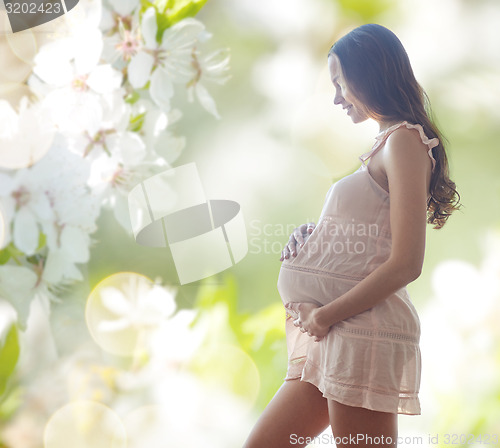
(11, 251)
(175, 11)
(9, 354)
(132, 97)
(42, 241)
(162, 5)
(136, 122)
(4, 256)
(145, 4)
(11, 403)
(367, 10)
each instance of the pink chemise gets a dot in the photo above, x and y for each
(370, 360)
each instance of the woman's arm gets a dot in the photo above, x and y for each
(408, 169)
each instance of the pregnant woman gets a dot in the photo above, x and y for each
(352, 330)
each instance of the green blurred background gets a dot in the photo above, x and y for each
(279, 146)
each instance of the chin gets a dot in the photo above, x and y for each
(357, 120)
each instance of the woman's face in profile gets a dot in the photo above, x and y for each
(343, 96)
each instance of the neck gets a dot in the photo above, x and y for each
(384, 125)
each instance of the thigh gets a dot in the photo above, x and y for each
(362, 428)
(297, 411)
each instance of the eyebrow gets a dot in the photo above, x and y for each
(335, 78)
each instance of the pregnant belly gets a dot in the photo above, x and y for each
(298, 284)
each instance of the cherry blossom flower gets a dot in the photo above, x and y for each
(73, 84)
(168, 62)
(59, 206)
(141, 306)
(121, 25)
(25, 136)
(213, 67)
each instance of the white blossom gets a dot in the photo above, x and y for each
(73, 84)
(122, 26)
(142, 306)
(60, 206)
(25, 137)
(18, 286)
(168, 62)
(213, 67)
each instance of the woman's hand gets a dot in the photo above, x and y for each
(306, 319)
(297, 237)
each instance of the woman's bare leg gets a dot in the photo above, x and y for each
(298, 409)
(362, 428)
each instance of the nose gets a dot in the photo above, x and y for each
(339, 99)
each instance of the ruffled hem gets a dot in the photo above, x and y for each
(431, 143)
(372, 368)
(358, 396)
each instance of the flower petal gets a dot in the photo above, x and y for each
(52, 63)
(149, 27)
(131, 147)
(104, 79)
(169, 147)
(17, 285)
(25, 231)
(115, 301)
(122, 214)
(88, 48)
(139, 69)
(75, 244)
(58, 268)
(161, 89)
(124, 7)
(9, 120)
(157, 301)
(206, 100)
(183, 35)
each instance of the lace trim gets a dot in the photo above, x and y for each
(431, 143)
(407, 395)
(382, 233)
(378, 391)
(319, 272)
(297, 360)
(375, 333)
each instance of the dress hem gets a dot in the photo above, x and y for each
(369, 399)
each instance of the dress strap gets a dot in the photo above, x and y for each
(382, 137)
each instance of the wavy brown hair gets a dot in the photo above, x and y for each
(378, 71)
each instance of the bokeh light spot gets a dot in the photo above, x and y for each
(84, 424)
(227, 366)
(124, 310)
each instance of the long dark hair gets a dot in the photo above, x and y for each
(378, 71)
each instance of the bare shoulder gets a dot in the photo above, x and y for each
(405, 159)
(404, 149)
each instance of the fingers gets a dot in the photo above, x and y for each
(289, 249)
(297, 237)
(293, 306)
(292, 246)
(297, 234)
